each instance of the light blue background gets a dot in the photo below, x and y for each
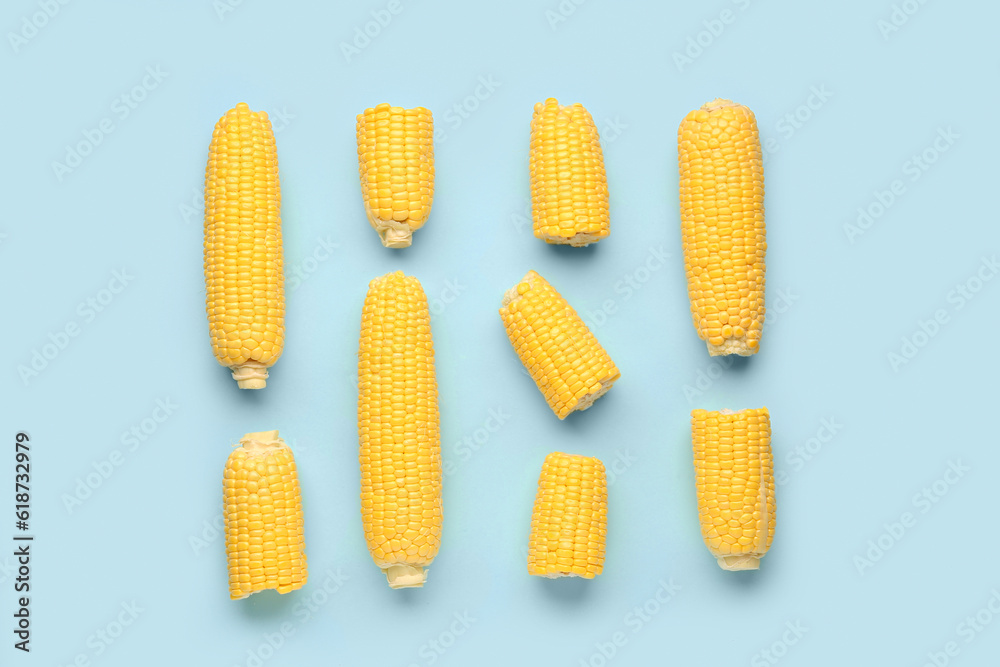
(129, 205)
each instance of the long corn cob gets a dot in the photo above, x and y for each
(722, 225)
(564, 359)
(569, 523)
(400, 452)
(396, 163)
(263, 513)
(244, 276)
(569, 189)
(734, 476)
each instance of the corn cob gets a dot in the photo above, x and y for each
(734, 476)
(244, 277)
(562, 356)
(263, 513)
(569, 190)
(400, 446)
(569, 523)
(396, 163)
(722, 225)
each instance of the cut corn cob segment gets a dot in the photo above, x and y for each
(734, 477)
(562, 356)
(569, 189)
(569, 522)
(396, 163)
(244, 276)
(398, 430)
(263, 513)
(722, 225)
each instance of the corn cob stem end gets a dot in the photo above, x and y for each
(739, 346)
(739, 563)
(394, 234)
(405, 576)
(580, 240)
(250, 375)
(260, 441)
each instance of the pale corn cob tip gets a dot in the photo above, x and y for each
(265, 545)
(244, 273)
(396, 165)
(569, 520)
(734, 478)
(563, 357)
(399, 431)
(722, 222)
(569, 188)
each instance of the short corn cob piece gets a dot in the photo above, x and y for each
(569, 189)
(396, 162)
(734, 476)
(398, 429)
(562, 356)
(244, 276)
(722, 225)
(569, 523)
(263, 512)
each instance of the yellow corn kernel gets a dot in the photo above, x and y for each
(569, 190)
(569, 523)
(398, 430)
(244, 276)
(734, 477)
(396, 163)
(562, 356)
(722, 225)
(263, 513)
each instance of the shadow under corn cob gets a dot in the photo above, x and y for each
(244, 274)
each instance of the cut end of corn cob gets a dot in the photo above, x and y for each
(405, 576)
(263, 512)
(396, 164)
(569, 189)
(562, 356)
(569, 522)
(722, 225)
(250, 375)
(244, 275)
(399, 431)
(734, 478)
